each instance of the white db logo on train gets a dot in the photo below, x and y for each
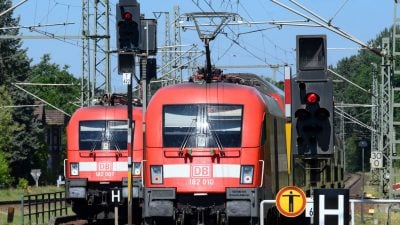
(104, 166)
(201, 171)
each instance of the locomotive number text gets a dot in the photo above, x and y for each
(105, 174)
(201, 181)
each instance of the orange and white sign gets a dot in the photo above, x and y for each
(291, 201)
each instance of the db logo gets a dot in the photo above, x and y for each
(201, 171)
(104, 166)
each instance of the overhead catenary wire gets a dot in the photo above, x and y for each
(330, 27)
(12, 8)
(356, 85)
(236, 41)
(41, 99)
(353, 119)
(337, 12)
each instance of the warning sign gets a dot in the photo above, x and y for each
(291, 201)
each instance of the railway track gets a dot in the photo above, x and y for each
(354, 184)
(75, 221)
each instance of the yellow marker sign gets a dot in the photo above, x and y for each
(291, 201)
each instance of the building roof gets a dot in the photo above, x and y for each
(54, 117)
(49, 116)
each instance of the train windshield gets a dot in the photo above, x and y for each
(103, 135)
(197, 126)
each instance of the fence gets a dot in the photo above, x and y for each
(40, 208)
(362, 211)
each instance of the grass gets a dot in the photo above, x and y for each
(377, 214)
(13, 194)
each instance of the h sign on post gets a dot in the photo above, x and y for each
(331, 206)
(115, 196)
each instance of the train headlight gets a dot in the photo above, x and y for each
(137, 168)
(74, 169)
(246, 174)
(156, 173)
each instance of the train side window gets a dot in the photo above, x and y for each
(263, 133)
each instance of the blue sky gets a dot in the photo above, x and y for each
(363, 19)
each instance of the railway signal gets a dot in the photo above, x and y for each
(312, 99)
(128, 34)
(128, 24)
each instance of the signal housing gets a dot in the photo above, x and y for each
(128, 34)
(312, 100)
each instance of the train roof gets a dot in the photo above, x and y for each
(101, 111)
(257, 82)
(213, 93)
(195, 92)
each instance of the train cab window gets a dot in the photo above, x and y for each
(263, 133)
(196, 126)
(103, 135)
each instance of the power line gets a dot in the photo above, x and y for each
(12, 8)
(340, 9)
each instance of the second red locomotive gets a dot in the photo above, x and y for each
(97, 161)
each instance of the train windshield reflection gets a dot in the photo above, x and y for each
(103, 135)
(204, 125)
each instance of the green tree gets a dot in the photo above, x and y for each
(5, 178)
(14, 63)
(7, 126)
(63, 97)
(358, 69)
(27, 145)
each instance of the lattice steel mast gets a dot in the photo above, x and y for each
(96, 79)
(394, 71)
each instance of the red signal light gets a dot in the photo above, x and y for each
(127, 16)
(312, 98)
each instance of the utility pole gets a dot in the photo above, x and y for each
(177, 44)
(394, 155)
(385, 139)
(95, 50)
(375, 117)
(166, 54)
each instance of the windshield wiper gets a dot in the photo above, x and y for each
(216, 138)
(187, 136)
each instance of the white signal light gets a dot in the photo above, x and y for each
(156, 173)
(137, 168)
(246, 174)
(74, 169)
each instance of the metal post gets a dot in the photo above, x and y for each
(116, 214)
(363, 182)
(130, 150)
(362, 144)
(22, 209)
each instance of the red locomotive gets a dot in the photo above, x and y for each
(213, 152)
(97, 160)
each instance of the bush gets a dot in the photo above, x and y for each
(23, 184)
(5, 178)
